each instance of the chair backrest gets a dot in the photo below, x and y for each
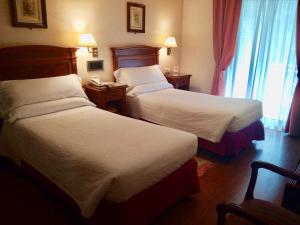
(291, 196)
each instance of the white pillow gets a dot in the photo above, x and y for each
(17, 93)
(43, 108)
(152, 87)
(135, 76)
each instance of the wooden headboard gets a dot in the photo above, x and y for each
(36, 61)
(135, 56)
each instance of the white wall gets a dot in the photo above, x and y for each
(106, 20)
(197, 43)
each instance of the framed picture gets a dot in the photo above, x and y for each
(28, 13)
(135, 17)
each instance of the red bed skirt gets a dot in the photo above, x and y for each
(144, 207)
(232, 143)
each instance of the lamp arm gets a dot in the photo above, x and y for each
(168, 50)
(93, 51)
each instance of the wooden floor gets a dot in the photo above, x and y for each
(23, 200)
(228, 181)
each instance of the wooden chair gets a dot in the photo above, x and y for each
(291, 197)
(256, 211)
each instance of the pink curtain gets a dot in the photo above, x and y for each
(293, 123)
(226, 16)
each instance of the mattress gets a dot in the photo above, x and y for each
(92, 154)
(206, 116)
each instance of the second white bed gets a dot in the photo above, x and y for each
(153, 99)
(206, 116)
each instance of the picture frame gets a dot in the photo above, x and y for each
(28, 13)
(136, 17)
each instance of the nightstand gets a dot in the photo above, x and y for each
(179, 81)
(110, 98)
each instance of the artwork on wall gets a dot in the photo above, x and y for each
(135, 17)
(28, 13)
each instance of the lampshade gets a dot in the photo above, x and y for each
(87, 40)
(170, 42)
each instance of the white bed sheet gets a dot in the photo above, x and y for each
(206, 116)
(92, 154)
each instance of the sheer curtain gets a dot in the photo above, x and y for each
(264, 66)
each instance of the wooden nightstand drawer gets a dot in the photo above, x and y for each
(93, 94)
(111, 98)
(114, 95)
(182, 81)
(179, 81)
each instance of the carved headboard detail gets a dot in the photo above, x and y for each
(36, 61)
(135, 56)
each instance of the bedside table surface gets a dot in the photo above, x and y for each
(104, 88)
(177, 75)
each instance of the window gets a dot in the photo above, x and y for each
(264, 66)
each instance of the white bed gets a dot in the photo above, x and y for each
(89, 153)
(206, 116)
(152, 98)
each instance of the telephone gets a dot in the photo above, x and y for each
(96, 81)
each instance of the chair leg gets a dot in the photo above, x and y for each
(221, 214)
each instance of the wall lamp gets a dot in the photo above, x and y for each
(170, 42)
(88, 41)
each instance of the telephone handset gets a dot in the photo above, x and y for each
(95, 81)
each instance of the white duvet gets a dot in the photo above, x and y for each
(206, 116)
(92, 154)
